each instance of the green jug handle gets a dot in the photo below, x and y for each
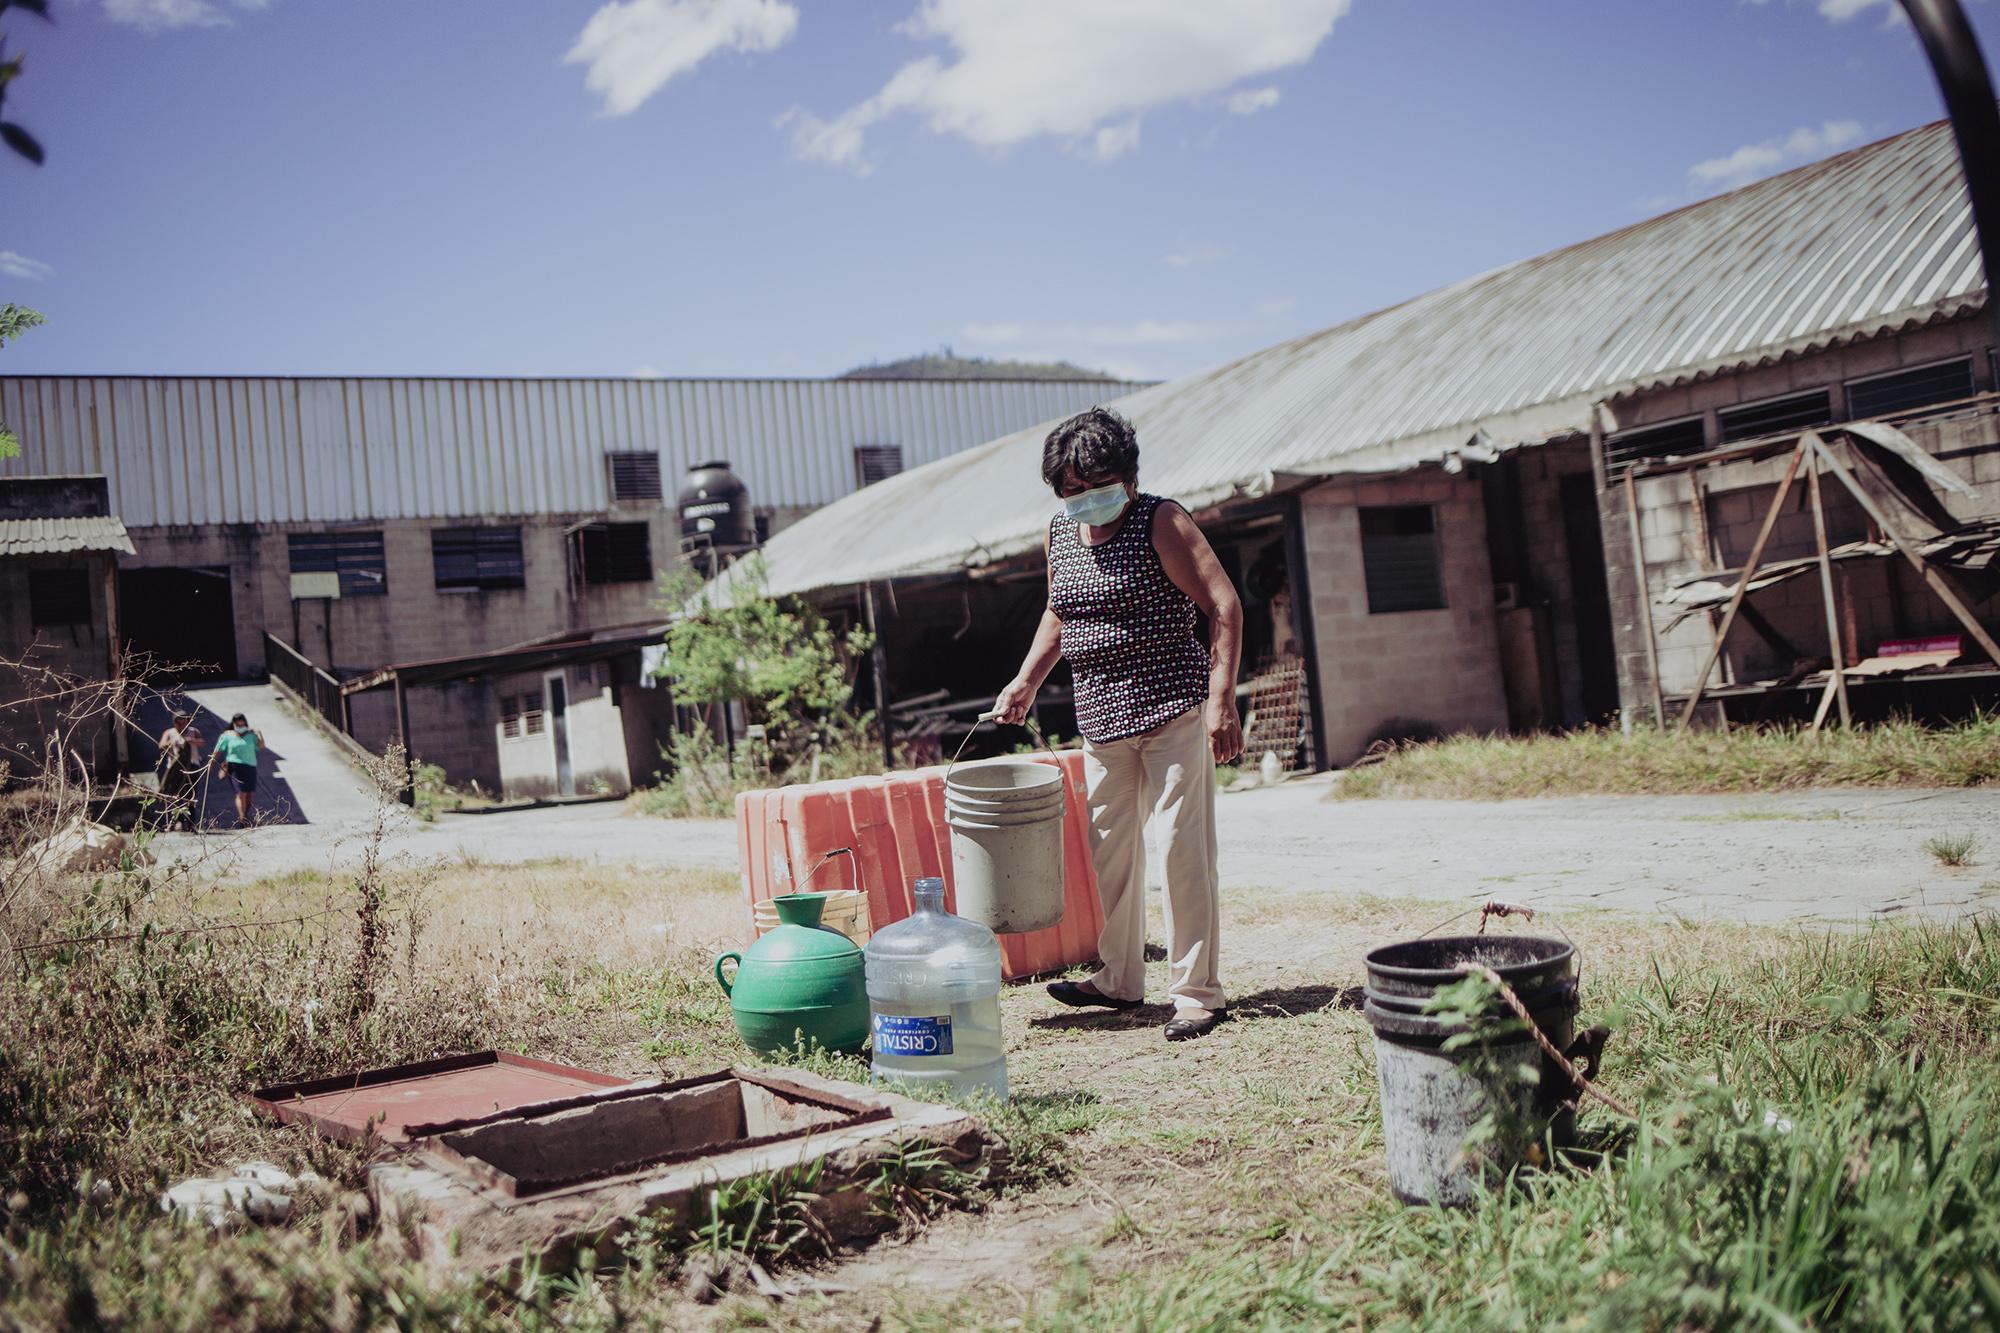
(726, 984)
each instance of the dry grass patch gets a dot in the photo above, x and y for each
(1233, 1181)
(1600, 761)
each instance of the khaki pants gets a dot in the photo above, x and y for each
(1168, 771)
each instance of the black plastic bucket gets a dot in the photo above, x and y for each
(1432, 1098)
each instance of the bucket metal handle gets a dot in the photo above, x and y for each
(798, 886)
(988, 716)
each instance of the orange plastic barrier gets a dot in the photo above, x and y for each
(895, 828)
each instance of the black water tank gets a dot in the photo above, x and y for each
(715, 508)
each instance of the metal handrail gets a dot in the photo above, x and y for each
(310, 682)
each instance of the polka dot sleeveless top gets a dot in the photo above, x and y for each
(1128, 631)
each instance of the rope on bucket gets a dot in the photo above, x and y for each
(1487, 911)
(1576, 1077)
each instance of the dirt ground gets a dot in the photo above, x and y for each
(1252, 1136)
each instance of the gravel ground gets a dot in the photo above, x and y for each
(1804, 856)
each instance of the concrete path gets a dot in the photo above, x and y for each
(315, 811)
(1806, 856)
(1810, 856)
(301, 779)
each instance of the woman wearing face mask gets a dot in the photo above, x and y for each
(237, 750)
(1157, 707)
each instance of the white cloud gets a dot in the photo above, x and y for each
(1842, 10)
(1082, 73)
(1251, 101)
(17, 265)
(633, 47)
(1115, 139)
(1758, 159)
(1145, 332)
(160, 15)
(1277, 305)
(1197, 255)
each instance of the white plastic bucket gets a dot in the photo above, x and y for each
(1006, 821)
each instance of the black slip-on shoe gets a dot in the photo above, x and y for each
(1187, 1029)
(1073, 994)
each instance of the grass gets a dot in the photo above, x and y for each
(1601, 761)
(1953, 849)
(1819, 1129)
(1819, 1125)
(433, 795)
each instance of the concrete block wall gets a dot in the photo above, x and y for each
(596, 733)
(82, 650)
(647, 717)
(415, 620)
(1441, 667)
(1888, 600)
(450, 725)
(1916, 347)
(1541, 472)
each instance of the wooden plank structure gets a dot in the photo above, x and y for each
(1811, 454)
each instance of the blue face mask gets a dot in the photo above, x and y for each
(1095, 508)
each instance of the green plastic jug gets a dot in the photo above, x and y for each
(801, 981)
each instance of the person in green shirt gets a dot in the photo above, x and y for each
(237, 749)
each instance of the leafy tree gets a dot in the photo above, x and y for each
(15, 137)
(777, 657)
(14, 321)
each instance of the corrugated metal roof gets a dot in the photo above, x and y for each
(278, 450)
(55, 536)
(1871, 241)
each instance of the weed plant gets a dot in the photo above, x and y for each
(1953, 849)
(1817, 1145)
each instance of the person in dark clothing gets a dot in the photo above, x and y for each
(180, 766)
(1128, 574)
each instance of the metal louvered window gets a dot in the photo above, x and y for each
(635, 474)
(617, 553)
(477, 558)
(59, 596)
(520, 715)
(1776, 416)
(355, 556)
(1647, 442)
(1906, 390)
(1400, 560)
(876, 462)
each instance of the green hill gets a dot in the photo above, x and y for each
(946, 365)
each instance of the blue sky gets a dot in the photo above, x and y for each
(792, 187)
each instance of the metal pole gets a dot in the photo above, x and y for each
(879, 661)
(115, 659)
(1839, 683)
(1975, 121)
(408, 795)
